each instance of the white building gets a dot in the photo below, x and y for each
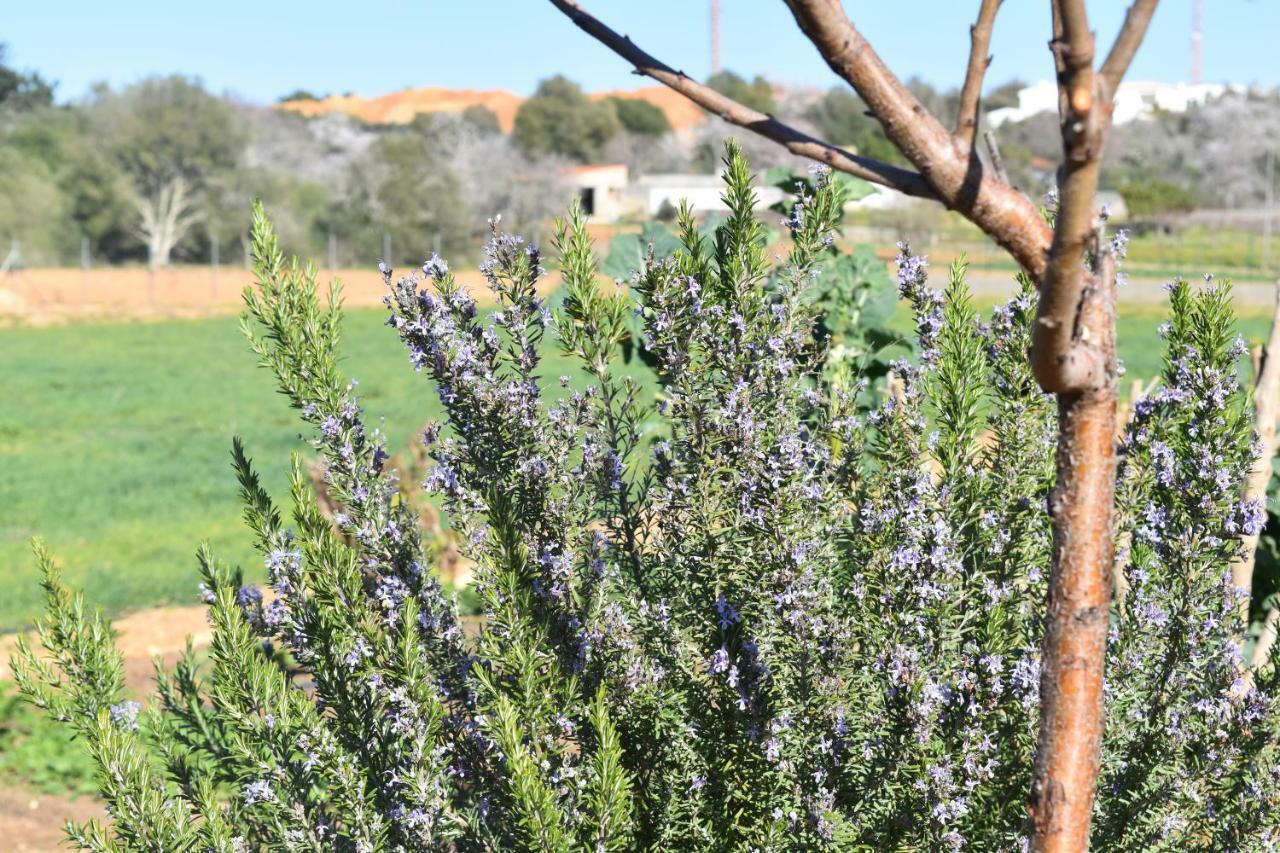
(601, 189)
(608, 194)
(1134, 100)
(702, 192)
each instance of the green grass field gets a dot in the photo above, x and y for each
(115, 440)
(115, 443)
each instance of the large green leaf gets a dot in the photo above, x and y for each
(627, 251)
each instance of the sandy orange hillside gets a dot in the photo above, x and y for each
(400, 107)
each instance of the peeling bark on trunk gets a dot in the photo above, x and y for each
(1071, 670)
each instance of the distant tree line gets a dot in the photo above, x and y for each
(164, 170)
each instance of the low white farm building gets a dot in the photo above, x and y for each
(703, 193)
(1134, 100)
(608, 194)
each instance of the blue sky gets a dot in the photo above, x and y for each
(260, 50)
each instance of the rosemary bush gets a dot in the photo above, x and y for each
(753, 617)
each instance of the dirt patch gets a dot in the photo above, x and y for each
(31, 822)
(161, 631)
(53, 296)
(44, 297)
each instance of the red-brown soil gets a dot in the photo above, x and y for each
(52, 296)
(400, 107)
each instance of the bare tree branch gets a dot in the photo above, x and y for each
(1058, 65)
(958, 179)
(1132, 32)
(971, 93)
(1266, 407)
(1062, 356)
(801, 144)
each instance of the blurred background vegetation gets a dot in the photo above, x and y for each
(77, 177)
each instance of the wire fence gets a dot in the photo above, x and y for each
(1236, 254)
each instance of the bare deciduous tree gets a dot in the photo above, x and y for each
(166, 216)
(1266, 406)
(1073, 353)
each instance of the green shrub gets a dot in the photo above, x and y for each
(640, 117)
(559, 119)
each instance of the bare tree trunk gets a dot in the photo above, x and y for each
(1266, 401)
(1266, 406)
(1074, 646)
(1266, 641)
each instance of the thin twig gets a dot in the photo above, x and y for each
(801, 144)
(1059, 66)
(997, 162)
(971, 93)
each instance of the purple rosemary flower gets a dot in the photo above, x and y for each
(435, 267)
(125, 714)
(258, 792)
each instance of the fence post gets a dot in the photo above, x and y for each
(386, 249)
(213, 273)
(1266, 211)
(333, 253)
(84, 269)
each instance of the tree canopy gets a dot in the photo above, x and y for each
(21, 91)
(756, 94)
(640, 117)
(560, 120)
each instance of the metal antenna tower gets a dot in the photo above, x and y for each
(1197, 42)
(715, 36)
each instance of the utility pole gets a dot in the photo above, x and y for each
(715, 36)
(213, 256)
(84, 270)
